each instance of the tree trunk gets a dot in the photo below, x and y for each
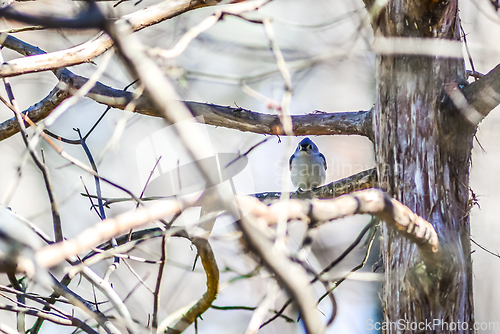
(423, 148)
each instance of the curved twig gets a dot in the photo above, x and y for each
(212, 272)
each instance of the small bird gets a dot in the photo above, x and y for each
(308, 166)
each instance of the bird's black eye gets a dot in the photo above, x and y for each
(309, 147)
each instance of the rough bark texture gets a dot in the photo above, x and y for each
(423, 148)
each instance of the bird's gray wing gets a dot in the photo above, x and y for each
(322, 158)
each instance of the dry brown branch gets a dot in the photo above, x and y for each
(87, 51)
(212, 272)
(53, 254)
(360, 181)
(341, 123)
(370, 201)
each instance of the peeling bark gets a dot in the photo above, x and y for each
(423, 149)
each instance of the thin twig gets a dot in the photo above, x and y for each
(93, 206)
(247, 152)
(485, 249)
(56, 218)
(21, 319)
(249, 308)
(212, 273)
(286, 120)
(140, 279)
(325, 270)
(371, 239)
(157, 292)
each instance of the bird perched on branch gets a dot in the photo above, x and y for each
(308, 166)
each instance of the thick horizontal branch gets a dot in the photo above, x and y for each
(370, 201)
(360, 181)
(87, 51)
(341, 123)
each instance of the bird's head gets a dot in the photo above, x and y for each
(307, 145)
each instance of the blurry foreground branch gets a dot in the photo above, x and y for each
(370, 201)
(52, 255)
(288, 273)
(87, 51)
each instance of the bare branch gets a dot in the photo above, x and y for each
(87, 51)
(288, 273)
(106, 288)
(50, 317)
(212, 272)
(39, 163)
(360, 181)
(53, 254)
(339, 123)
(370, 201)
(159, 279)
(328, 268)
(356, 123)
(89, 308)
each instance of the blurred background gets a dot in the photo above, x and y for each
(326, 45)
